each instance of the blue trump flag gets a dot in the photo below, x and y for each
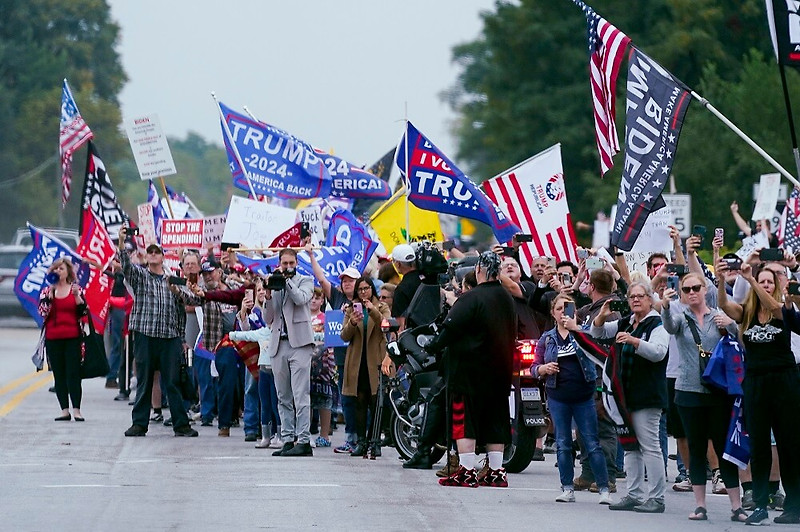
(350, 181)
(277, 163)
(32, 276)
(436, 184)
(333, 261)
(345, 230)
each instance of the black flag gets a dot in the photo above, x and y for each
(784, 27)
(99, 196)
(656, 104)
(382, 168)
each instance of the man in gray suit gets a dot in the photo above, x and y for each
(289, 319)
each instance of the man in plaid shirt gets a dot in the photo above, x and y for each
(157, 322)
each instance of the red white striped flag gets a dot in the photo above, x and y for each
(533, 195)
(607, 46)
(73, 133)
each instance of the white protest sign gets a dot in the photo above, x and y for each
(150, 147)
(655, 232)
(752, 243)
(255, 224)
(601, 237)
(213, 230)
(681, 207)
(637, 260)
(313, 215)
(147, 226)
(767, 199)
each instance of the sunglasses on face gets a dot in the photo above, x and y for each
(695, 288)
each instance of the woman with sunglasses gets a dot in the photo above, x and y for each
(771, 388)
(641, 346)
(362, 328)
(705, 414)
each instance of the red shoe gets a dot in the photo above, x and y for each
(495, 478)
(463, 477)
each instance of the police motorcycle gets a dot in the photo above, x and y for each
(527, 407)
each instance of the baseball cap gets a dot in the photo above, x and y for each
(350, 272)
(730, 256)
(208, 266)
(154, 247)
(403, 253)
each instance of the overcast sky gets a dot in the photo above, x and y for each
(337, 74)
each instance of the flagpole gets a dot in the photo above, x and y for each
(705, 103)
(788, 102)
(233, 146)
(166, 195)
(407, 182)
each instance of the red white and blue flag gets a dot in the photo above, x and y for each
(607, 47)
(73, 133)
(789, 229)
(534, 196)
(436, 184)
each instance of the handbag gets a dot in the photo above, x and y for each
(703, 356)
(40, 354)
(93, 353)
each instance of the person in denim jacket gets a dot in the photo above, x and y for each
(569, 378)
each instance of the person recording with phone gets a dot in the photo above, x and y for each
(570, 382)
(158, 322)
(641, 346)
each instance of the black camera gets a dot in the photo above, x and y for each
(276, 281)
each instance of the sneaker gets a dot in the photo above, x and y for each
(651, 506)
(717, 486)
(605, 498)
(252, 436)
(566, 496)
(207, 423)
(111, 384)
(463, 478)
(345, 448)
(625, 504)
(122, 396)
(787, 518)
(300, 449)
(196, 416)
(776, 501)
(621, 474)
(681, 477)
(538, 455)
(579, 484)
(494, 478)
(185, 431)
(612, 487)
(322, 442)
(760, 516)
(549, 446)
(224, 432)
(684, 486)
(136, 430)
(158, 417)
(168, 422)
(747, 500)
(484, 470)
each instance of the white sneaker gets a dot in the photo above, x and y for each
(566, 496)
(196, 416)
(605, 497)
(685, 485)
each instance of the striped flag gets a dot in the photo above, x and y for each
(789, 228)
(73, 133)
(607, 47)
(533, 195)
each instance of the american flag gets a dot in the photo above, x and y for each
(607, 47)
(789, 229)
(73, 133)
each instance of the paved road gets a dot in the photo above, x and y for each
(88, 476)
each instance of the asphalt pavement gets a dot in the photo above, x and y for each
(70, 476)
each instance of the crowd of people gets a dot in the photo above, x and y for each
(623, 358)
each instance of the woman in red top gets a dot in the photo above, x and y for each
(62, 305)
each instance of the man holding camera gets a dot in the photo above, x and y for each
(158, 323)
(289, 319)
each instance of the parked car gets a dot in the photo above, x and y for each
(11, 256)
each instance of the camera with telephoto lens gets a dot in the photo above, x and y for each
(276, 281)
(430, 261)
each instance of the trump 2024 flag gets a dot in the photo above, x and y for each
(533, 195)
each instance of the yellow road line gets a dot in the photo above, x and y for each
(19, 397)
(16, 382)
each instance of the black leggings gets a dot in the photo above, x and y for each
(771, 401)
(65, 361)
(703, 423)
(365, 401)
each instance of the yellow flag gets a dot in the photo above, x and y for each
(389, 222)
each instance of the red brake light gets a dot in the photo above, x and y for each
(526, 352)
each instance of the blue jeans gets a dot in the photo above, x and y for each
(585, 417)
(252, 407)
(269, 401)
(116, 323)
(208, 387)
(226, 361)
(348, 409)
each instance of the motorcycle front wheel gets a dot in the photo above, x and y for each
(405, 440)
